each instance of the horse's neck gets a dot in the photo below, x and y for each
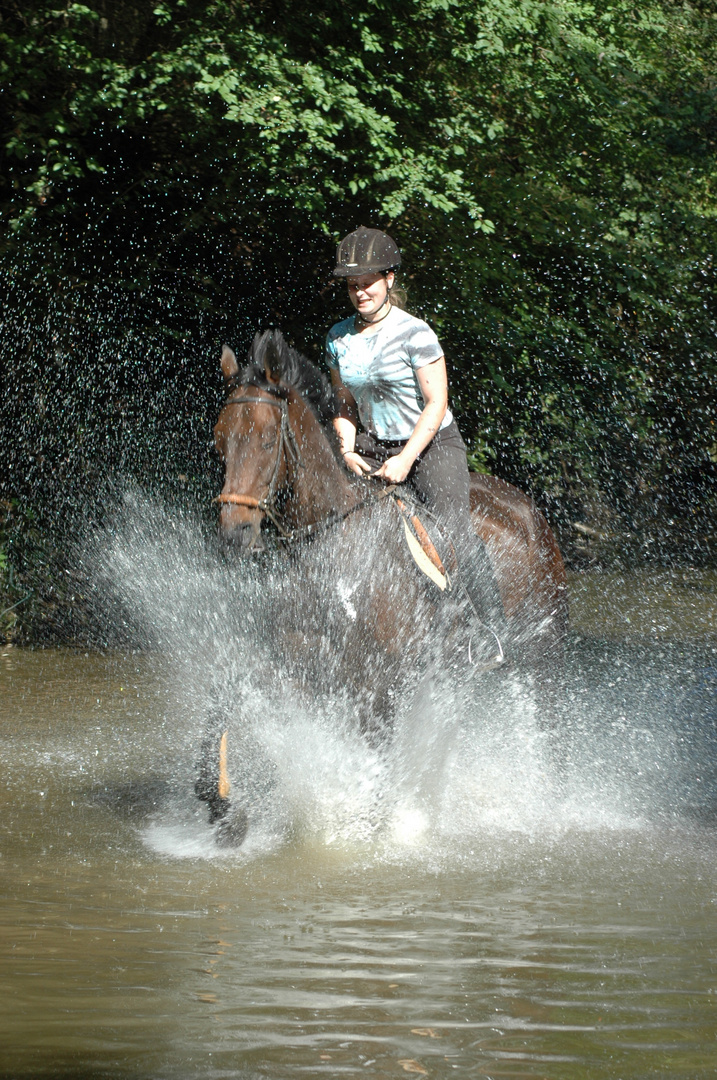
(321, 486)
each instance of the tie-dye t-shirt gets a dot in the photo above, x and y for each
(380, 370)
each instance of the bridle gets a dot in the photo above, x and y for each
(286, 444)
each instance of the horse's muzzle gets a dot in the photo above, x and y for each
(241, 536)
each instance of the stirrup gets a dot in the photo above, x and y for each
(495, 661)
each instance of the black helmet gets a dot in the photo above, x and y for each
(366, 251)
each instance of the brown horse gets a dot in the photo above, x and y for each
(363, 597)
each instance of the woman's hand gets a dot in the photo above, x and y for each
(356, 463)
(395, 469)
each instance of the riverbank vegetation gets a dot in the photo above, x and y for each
(175, 174)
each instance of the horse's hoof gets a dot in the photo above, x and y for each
(218, 808)
(232, 829)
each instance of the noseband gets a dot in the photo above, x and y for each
(286, 444)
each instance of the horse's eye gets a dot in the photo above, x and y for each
(269, 444)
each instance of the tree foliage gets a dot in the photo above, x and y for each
(176, 172)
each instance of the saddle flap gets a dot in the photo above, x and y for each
(422, 560)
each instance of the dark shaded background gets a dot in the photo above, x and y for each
(176, 174)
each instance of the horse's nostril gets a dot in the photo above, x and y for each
(242, 536)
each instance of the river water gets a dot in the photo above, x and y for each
(495, 917)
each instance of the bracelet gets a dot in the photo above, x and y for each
(345, 452)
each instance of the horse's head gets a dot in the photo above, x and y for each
(254, 440)
(275, 437)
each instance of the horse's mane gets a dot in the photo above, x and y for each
(271, 353)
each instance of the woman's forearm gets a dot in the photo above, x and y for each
(427, 425)
(433, 384)
(345, 428)
(346, 423)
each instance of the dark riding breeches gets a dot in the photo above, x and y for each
(440, 479)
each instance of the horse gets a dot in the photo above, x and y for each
(370, 604)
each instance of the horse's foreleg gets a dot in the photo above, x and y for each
(213, 785)
(210, 785)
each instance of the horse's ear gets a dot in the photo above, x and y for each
(272, 357)
(271, 376)
(230, 367)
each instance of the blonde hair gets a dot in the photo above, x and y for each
(397, 294)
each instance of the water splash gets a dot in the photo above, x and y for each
(468, 760)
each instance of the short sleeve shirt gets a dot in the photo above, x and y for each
(380, 371)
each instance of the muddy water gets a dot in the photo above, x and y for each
(495, 918)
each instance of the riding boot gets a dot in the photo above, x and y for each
(477, 576)
(485, 614)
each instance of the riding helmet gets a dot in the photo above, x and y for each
(366, 251)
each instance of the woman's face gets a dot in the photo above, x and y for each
(369, 292)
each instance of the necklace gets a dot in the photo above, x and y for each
(374, 322)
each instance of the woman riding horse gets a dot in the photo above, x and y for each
(349, 616)
(389, 373)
